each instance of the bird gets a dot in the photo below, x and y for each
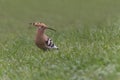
(42, 41)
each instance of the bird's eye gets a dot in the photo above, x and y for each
(42, 26)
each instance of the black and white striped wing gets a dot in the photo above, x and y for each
(50, 44)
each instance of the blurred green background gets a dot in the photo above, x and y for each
(88, 34)
(64, 11)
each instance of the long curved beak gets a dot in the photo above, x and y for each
(51, 29)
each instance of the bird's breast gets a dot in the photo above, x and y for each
(40, 42)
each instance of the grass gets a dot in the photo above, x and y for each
(88, 34)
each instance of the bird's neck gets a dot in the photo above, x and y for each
(39, 36)
(40, 32)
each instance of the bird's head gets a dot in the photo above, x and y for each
(41, 26)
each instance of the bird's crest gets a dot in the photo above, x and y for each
(40, 24)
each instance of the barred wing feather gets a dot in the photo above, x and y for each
(50, 44)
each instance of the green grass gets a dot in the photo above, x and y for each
(88, 35)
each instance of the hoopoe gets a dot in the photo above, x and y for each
(42, 40)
